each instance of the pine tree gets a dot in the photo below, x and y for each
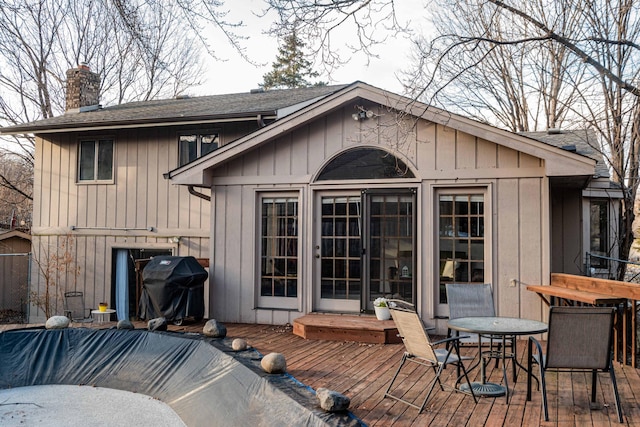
(291, 69)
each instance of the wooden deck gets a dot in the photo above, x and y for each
(362, 371)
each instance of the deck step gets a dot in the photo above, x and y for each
(342, 327)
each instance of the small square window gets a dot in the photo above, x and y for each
(95, 160)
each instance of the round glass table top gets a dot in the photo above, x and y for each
(497, 325)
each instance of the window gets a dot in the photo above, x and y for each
(194, 145)
(95, 160)
(279, 247)
(599, 236)
(365, 163)
(461, 240)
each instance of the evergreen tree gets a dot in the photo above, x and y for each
(291, 69)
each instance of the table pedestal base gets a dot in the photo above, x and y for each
(485, 389)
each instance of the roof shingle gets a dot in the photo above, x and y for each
(166, 111)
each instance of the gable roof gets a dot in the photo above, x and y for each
(4, 235)
(270, 104)
(558, 162)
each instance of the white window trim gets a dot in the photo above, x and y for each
(273, 302)
(442, 310)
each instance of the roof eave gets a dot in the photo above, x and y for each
(558, 162)
(127, 124)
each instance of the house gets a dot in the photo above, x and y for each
(15, 248)
(311, 200)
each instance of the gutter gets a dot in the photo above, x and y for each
(193, 191)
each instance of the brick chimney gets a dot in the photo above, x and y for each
(83, 89)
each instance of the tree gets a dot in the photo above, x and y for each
(16, 184)
(291, 68)
(141, 49)
(530, 65)
(590, 64)
(57, 264)
(371, 22)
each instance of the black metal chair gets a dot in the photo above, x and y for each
(74, 307)
(476, 300)
(420, 350)
(579, 339)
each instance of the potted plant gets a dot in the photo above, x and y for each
(103, 306)
(381, 307)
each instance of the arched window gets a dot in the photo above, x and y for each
(365, 163)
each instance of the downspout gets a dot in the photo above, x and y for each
(198, 194)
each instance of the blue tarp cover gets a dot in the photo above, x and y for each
(200, 378)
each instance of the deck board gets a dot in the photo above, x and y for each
(363, 371)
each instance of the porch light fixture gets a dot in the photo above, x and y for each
(175, 239)
(362, 115)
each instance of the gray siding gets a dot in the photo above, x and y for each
(108, 216)
(439, 156)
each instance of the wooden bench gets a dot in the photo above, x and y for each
(570, 289)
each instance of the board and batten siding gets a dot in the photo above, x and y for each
(117, 215)
(440, 157)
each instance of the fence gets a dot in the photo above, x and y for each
(14, 282)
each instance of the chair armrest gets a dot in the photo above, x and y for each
(450, 339)
(539, 349)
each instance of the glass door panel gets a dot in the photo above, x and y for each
(349, 275)
(339, 254)
(391, 244)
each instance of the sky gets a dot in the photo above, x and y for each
(236, 75)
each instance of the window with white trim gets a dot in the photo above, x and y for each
(95, 160)
(461, 239)
(279, 256)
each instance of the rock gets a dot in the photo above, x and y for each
(274, 363)
(57, 322)
(124, 324)
(214, 329)
(157, 324)
(239, 344)
(332, 401)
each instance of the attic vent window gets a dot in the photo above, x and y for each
(570, 147)
(365, 163)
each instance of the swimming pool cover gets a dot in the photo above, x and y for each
(201, 379)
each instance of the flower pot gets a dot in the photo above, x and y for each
(382, 313)
(102, 307)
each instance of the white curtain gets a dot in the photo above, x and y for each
(122, 284)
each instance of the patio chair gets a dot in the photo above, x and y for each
(74, 307)
(476, 300)
(420, 350)
(579, 339)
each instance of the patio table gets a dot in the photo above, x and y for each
(503, 327)
(102, 316)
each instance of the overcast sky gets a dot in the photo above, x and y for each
(236, 75)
